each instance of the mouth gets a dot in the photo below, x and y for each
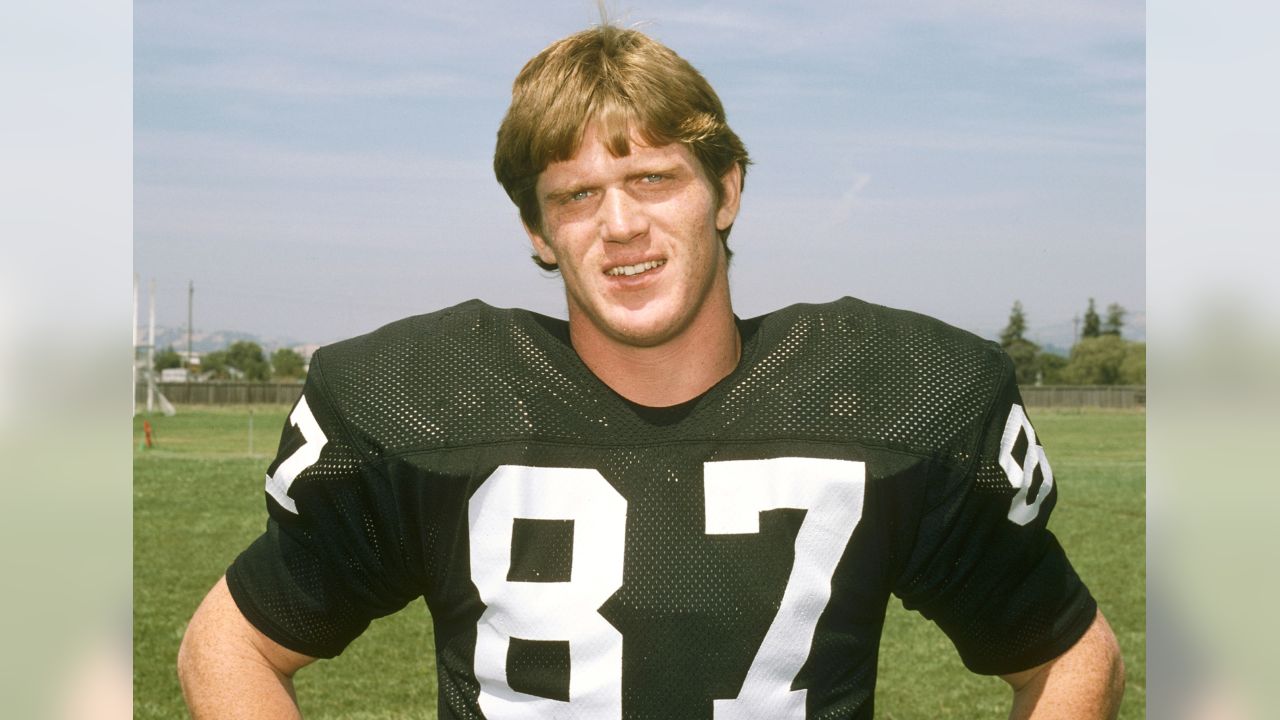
(628, 270)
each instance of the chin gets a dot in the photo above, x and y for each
(646, 329)
(641, 336)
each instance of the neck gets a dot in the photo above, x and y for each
(671, 372)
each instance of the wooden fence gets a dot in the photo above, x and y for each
(284, 393)
(226, 393)
(1082, 396)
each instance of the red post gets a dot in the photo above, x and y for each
(146, 428)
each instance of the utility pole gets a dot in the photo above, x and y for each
(191, 294)
(1075, 330)
(151, 346)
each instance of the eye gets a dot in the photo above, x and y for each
(652, 178)
(578, 196)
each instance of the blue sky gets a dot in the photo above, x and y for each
(320, 169)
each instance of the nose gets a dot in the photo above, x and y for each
(622, 217)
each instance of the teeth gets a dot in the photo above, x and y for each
(635, 269)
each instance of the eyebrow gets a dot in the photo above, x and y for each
(665, 169)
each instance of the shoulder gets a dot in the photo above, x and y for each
(452, 341)
(412, 382)
(875, 334)
(427, 332)
(886, 375)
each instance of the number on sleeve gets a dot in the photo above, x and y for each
(831, 491)
(549, 610)
(304, 457)
(1020, 476)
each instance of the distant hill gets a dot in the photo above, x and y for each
(1058, 350)
(203, 342)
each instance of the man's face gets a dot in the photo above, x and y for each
(636, 239)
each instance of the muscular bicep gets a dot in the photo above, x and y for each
(220, 612)
(229, 668)
(1086, 681)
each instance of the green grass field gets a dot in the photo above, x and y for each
(198, 501)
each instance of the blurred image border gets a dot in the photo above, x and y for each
(1213, 174)
(1214, 335)
(67, 220)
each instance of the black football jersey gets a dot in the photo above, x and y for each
(582, 561)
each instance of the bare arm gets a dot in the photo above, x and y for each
(1086, 681)
(229, 669)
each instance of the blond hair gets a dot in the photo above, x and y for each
(626, 82)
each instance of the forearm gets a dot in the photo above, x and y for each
(230, 670)
(1084, 683)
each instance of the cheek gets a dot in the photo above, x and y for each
(575, 262)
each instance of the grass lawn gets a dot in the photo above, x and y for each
(198, 501)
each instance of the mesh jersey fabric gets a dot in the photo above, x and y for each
(423, 418)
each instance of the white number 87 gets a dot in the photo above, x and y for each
(736, 492)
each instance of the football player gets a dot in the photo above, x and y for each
(657, 509)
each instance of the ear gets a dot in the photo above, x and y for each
(730, 198)
(540, 246)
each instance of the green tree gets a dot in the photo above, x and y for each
(287, 363)
(1092, 323)
(1017, 325)
(1026, 361)
(1114, 321)
(1052, 368)
(168, 358)
(215, 364)
(247, 357)
(1023, 352)
(1096, 361)
(1133, 369)
(243, 359)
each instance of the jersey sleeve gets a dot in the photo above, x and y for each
(331, 559)
(983, 565)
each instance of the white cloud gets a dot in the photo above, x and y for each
(1025, 140)
(200, 157)
(844, 207)
(283, 78)
(392, 32)
(710, 18)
